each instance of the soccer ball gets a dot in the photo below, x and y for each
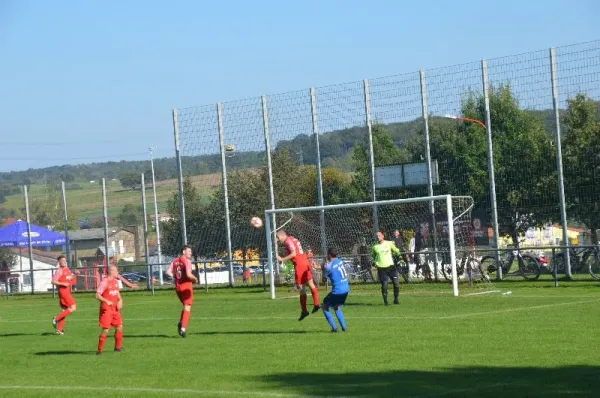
(256, 222)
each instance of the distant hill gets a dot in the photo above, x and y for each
(335, 148)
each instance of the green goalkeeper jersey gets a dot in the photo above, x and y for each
(382, 254)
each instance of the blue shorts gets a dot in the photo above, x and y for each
(332, 300)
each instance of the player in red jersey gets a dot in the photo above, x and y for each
(110, 309)
(63, 278)
(180, 269)
(302, 270)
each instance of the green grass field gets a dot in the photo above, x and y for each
(539, 341)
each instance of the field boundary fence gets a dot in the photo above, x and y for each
(519, 134)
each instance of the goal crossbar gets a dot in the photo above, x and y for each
(271, 243)
(363, 204)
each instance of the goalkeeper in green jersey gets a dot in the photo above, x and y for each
(382, 253)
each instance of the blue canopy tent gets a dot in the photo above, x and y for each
(17, 235)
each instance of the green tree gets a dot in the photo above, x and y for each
(47, 209)
(67, 177)
(130, 215)
(385, 153)
(129, 180)
(582, 162)
(294, 186)
(9, 257)
(524, 169)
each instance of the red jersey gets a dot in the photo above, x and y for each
(109, 290)
(60, 275)
(293, 245)
(180, 267)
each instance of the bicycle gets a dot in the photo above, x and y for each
(468, 263)
(528, 266)
(586, 260)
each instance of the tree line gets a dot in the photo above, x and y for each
(524, 161)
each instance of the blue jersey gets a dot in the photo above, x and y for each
(336, 272)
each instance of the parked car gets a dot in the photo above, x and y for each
(134, 277)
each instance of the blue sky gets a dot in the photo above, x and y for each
(89, 81)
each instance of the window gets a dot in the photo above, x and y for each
(121, 247)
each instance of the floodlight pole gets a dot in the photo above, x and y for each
(490, 150)
(433, 228)
(371, 154)
(156, 220)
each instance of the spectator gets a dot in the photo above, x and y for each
(399, 242)
(364, 253)
(419, 245)
(311, 262)
(247, 275)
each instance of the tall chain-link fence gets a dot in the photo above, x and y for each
(518, 134)
(484, 129)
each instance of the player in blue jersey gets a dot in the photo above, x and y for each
(335, 271)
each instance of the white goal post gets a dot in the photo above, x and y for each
(352, 222)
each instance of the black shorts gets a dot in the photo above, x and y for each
(387, 274)
(332, 300)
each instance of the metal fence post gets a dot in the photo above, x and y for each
(145, 224)
(265, 114)
(29, 246)
(225, 191)
(315, 126)
(429, 171)
(559, 163)
(490, 153)
(371, 154)
(105, 217)
(66, 218)
(205, 278)
(179, 178)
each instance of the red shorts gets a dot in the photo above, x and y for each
(66, 300)
(302, 274)
(110, 318)
(185, 293)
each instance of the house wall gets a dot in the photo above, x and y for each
(124, 245)
(42, 274)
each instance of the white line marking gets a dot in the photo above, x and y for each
(265, 318)
(535, 307)
(150, 390)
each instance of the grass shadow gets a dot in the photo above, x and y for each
(362, 304)
(149, 336)
(17, 334)
(256, 332)
(580, 381)
(65, 352)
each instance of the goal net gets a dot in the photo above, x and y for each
(432, 251)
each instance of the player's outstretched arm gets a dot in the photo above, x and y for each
(127, 282)
(190, 275)
(288, 257)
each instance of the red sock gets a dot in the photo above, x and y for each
(62, 315)
(60, 325)
(303, 302)
(185, 317)
(101, 341)
(118, 339)
(315, 296)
